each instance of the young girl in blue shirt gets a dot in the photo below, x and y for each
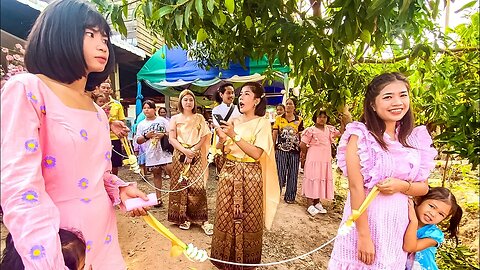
(423, 237)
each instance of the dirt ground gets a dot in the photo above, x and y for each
(294, 233)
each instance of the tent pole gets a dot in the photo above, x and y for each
(167, 105)
(139, 98)
(286, 87)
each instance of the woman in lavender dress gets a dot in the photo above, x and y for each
(386, 150)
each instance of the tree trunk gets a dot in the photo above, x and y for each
(445, 170)
(316, 8)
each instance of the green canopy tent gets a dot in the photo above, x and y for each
(171, 69)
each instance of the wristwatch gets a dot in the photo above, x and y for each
(145, 136)
(237, 138)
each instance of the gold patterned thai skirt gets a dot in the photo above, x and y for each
(219, 161)
(238, 230)
(189, 204)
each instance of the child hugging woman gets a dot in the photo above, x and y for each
(423, 236)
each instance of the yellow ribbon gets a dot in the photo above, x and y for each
(357, 213)
(132, 159)
(178, 247)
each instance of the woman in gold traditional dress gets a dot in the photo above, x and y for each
(190, 136)
(248, 191)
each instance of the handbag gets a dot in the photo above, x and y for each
(166, 146)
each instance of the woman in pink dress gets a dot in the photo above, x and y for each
(318, 180)
(385, 150)
(56, 168)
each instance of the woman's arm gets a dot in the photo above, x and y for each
(275, 135)
(29, 212)
(393, 185)
(249, 149)
(366, 248)
(198, 146)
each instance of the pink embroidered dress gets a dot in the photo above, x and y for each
(387, 214)
(318, 180)
(56, 174)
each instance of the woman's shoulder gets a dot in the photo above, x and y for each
(26, 79)
(356, 128)
(420, 132)
(200, 116)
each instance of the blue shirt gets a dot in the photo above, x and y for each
(426, 258)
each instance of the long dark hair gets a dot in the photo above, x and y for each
(222, 90)
(259, 92)
(446, 196)
(371, 119)
(55, 43)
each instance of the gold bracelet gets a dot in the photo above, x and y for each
(409, 185)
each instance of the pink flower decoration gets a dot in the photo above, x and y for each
(4, 50)
(18, 46)
(16, 57)
(9, 58)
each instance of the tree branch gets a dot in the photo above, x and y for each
(403, 57)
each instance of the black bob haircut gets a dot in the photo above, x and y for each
(55, 43)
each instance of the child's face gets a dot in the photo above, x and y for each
(432, 211)
(322, 120)
(280, 110)
(101, 101)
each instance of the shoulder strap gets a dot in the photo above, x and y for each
(229, 112)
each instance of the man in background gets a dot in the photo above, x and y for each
(116, 114)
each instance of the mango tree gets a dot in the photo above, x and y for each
(334, 48)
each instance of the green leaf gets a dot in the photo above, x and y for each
(460, 109)
(467, 5)
(199, 8)
(230, 5)
(125, 8)
(181, 3)
(223, 18)
(365, 36)
(201, 35)
(248, 22)
(211, 5)
(147, 9)
(188, 10)
(179, 21)
(159, 13)
(405, 6)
